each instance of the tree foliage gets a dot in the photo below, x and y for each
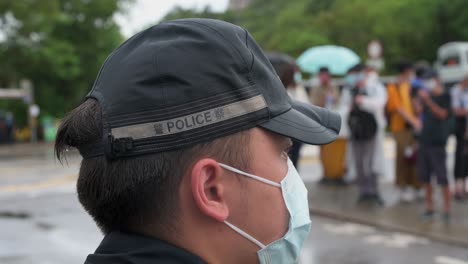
(410, 29)
(59, 45)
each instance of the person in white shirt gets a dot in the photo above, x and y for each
(368, 96)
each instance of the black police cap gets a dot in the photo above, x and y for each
(190, 81)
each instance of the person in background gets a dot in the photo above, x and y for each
(3, 128)
(417, 82)
(432, 141)
(404, 123)
(325, 93)
(10, 126)
(459, 94)
(365, 120)
(373, 80)
(346, 100)
(291, 78)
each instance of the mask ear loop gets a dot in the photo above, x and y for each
(229, 168)
(235, 228)
(244, 234)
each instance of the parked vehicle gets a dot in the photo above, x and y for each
(452, 62)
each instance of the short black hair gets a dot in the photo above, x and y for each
(404, 65)
(285, 67)
(286, 74)
(324, 70)
(429, 74)
(420, 71)
(137, 194)
(356, 68)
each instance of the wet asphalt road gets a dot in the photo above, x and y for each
(52, 228)
(41, 222)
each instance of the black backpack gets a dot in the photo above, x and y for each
(362, 124)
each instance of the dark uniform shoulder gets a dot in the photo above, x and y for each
(120, 248)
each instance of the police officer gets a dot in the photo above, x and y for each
(184, 138)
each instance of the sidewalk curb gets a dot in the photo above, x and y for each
(388, 227)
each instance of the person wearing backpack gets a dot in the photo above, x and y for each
(459, 95)
(403, 124)
(365, 120)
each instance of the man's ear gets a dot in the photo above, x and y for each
(208, 189)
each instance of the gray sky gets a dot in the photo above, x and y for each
(144, 12)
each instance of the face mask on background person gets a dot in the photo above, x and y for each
(361, 80)
(372, 77)
(287, 248)
(297, 77)
(350, 80)
(430, 85)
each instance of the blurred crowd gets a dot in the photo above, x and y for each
(7, 126)
(414, 108)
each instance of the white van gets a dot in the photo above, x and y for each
(452, 62)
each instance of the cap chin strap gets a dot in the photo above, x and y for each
(244, 234)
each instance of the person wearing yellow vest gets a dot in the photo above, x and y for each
(403, 124)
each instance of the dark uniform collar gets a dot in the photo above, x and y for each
(119, 247)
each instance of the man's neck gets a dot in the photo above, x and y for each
(215, 247)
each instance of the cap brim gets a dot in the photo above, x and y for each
(306, 123)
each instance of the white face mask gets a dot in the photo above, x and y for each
(297, 77)
(431, 84)
(287, 248)
(372, 77)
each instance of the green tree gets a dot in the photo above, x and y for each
(404, 27)
(59, 45)
(410, 29)
(277, 25)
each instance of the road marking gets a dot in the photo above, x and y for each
(448, 260)
(396, 240)
(55, 182)
(348, 229)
